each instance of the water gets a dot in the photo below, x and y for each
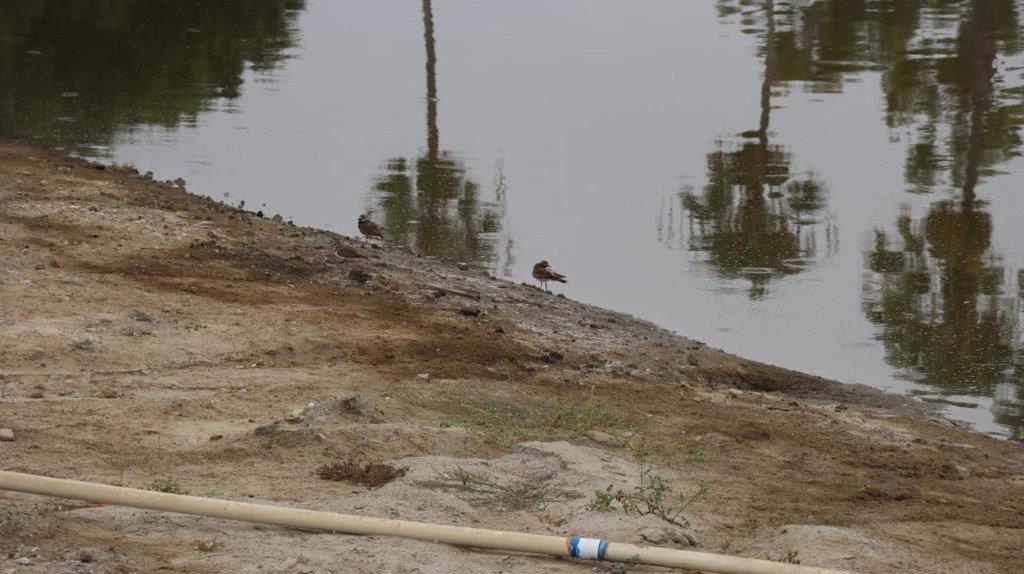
(827, 185)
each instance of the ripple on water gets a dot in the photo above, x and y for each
(798, 262)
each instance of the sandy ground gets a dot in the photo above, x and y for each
(150, 337)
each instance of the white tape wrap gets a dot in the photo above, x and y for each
(589, 548)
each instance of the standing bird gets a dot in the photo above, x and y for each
(368, 228)
(542, 272)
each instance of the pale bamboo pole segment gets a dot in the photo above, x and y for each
(350, 524)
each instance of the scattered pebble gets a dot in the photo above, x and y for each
(359, 405)
(142, 317)
(653, 535)
(423, 378)
(6, 435)
(604, 438)
(552, 357)
(359, 275)
(735, 393)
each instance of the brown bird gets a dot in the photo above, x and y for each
(542, 272)
(368, 228)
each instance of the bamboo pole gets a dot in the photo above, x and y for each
(350, 524)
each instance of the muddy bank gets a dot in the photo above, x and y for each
(156, 339)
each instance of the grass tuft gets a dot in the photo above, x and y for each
(370, 474)
(167, 484)
(530, 489)
(508, 424)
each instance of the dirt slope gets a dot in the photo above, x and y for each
(156, 339)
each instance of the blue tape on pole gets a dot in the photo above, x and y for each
(591, 548)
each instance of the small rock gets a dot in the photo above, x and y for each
(954, 471)
(735, 393)
(360, 405)
(348, 252)
(359, 275)
(267, 429)
(552, 357)
(463, 265)
(653, 535)
(87, 555)
(36, 395)
(142, 317)
(423, 378)
(469, 312)
(24, 561)
(885, 493)
(216, 437)
(602, 437)
(294, 416)
(6, 435)
(109, 393)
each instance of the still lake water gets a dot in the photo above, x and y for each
(831, 185)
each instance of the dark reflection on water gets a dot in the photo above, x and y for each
(942, 295)
(431, 204)
(942, 299)
(752, 216)
(75, 73)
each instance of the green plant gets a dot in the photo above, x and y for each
(507, 424)
(602, 500)
(653, 494)
(167, 484)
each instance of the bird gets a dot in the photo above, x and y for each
(368, 228)
(542, 272)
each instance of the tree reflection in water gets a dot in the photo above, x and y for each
(75, 71)
(431, 205)
(936, 287)
(753, 218)
(941, 295)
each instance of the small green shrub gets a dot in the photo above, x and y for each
(167, 484)
(602, 500)
(508, 424)
(652, 495)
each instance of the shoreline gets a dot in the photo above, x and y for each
(140, 321)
